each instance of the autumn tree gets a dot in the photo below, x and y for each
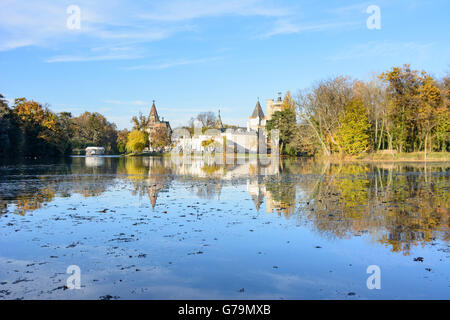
(136, 141)
(139, 122)
(430, 100)
(41, 130)
(159, 137)
(122, 139)
(288, 102)
(93, 129)
(207, 119)
(321, 108)
(352, 137)
(373, 96)
(414, 101)
(441, 137)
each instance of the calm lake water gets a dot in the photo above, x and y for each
(177, 228)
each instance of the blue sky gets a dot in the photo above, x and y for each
(193, 56)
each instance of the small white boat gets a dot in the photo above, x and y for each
(95, 151)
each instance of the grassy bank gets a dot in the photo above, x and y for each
(147, 154)
(395, 157)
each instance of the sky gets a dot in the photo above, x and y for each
(204, 55)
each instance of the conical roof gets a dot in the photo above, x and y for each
(153, 117)
(153, 194)
(257, 112)
(258, 200)
(219, 124)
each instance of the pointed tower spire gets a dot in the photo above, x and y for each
(153, 117)
(153, 195)
(219, 124)
(257, 112)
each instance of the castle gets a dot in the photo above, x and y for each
(252, 140)
(154, 122)
(258, 120)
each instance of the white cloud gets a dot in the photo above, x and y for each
(288, 27)
(92, 58)
(352, 9)
(101, 54)
(44, 22)
(170, 64)
(384, 49)
(134, 103)
(181, 10)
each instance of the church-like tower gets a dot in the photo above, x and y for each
(219, 124)
(257, 119)
(153, 122)
(153, 116)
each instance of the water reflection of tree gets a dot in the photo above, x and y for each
(397, 206)
(280, 195)
(149, 176)
(33, 186)
(26, 203)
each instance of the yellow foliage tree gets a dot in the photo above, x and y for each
(288, 102)
(136, 141)
(352, 137)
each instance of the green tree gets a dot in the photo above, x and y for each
(352, 137)
(5, 126)
(430, 100)
(286, 124)
(442, 129)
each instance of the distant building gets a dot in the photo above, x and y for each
(219, 124)
(95, 151)
(154, 122)
(257, 120)
(254, 140)
(273, 106)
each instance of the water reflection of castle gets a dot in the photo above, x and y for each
(254, 171)
(258, 190)
(398, 209)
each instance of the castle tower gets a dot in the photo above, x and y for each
(257, 119)
(153, 195)
(272, 106)
(153, 117)
(153, 122)
(219, 124)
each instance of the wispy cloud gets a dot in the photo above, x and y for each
(134, 103)
(384, 49)
(288, 27)
(180, 10)
(101, 54)
(91, 58)
(171, 64)
(351, 9)
(43, 23)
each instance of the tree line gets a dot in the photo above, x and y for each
(30, 129)
(401, 110)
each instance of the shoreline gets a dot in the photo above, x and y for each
(400, 157)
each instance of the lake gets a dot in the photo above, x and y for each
(200, 228)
